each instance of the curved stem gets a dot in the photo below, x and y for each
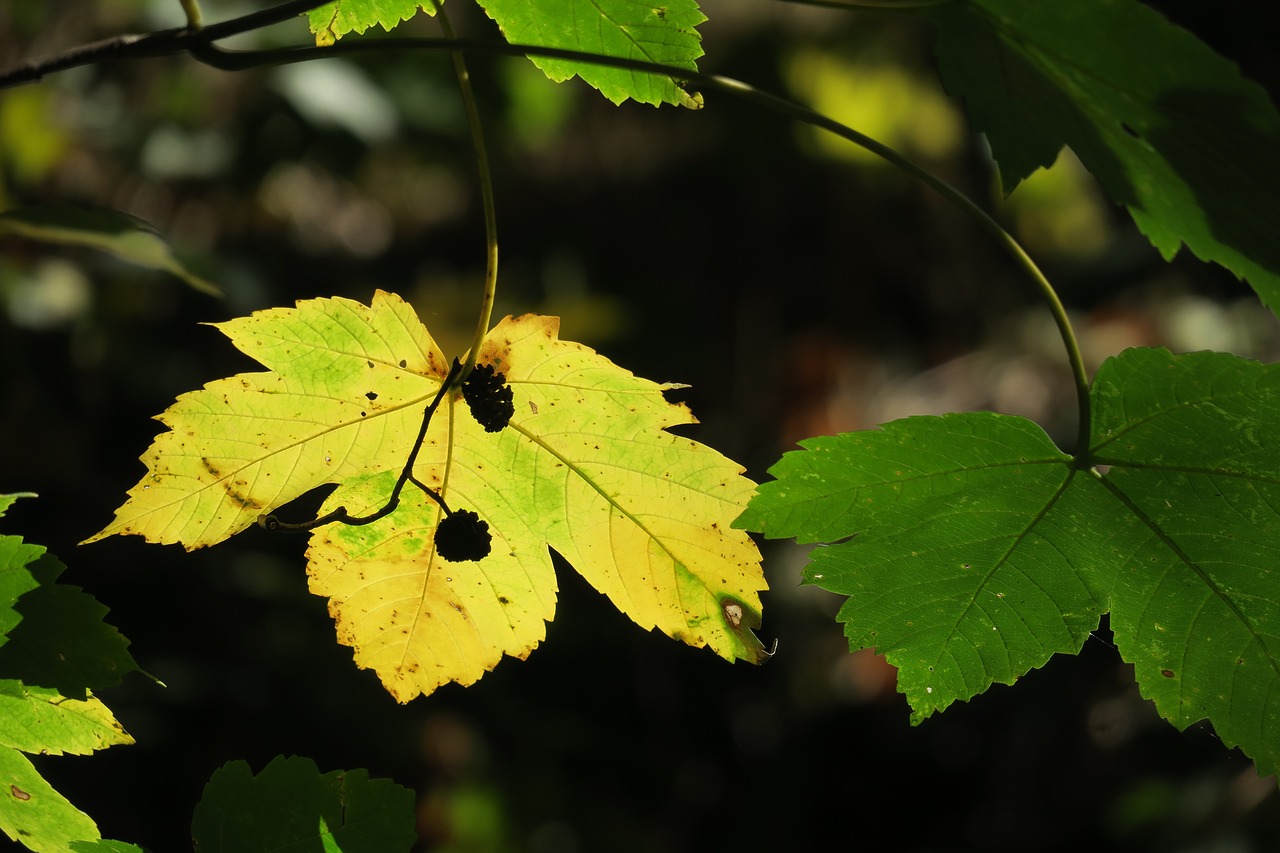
(200, 44)
(486, 195)
(966, 205)
(192, 10)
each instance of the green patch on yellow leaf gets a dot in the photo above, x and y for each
(584, 466)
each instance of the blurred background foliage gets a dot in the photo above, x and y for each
(797, 285)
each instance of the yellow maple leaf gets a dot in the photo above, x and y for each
(584, 466)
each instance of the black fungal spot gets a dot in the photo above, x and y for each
(404, 363)
(489, 398)
(462, 536)
(372, 396)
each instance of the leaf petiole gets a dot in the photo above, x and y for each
(486, 190)
(192, 10)
(341, 516)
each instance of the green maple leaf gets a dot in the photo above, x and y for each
(653, 32)
(290, 805)
(972, 549)
(585, 466)
(664, 33)
(1171, 130)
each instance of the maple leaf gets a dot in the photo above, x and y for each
(972, 549)
(585, 465)
(665, 34)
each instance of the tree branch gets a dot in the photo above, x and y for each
(187, 39)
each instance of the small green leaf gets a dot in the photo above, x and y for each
(1171, 130)
(654, 32)
(975, 549)
(126, 237)
(34, 814)
(334, 20)
(290, 807)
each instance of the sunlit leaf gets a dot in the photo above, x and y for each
(332, 21)
(1171, 130)
(972, 549)
(32, 812)
(653, 32)
(41, 720)
(585, 466)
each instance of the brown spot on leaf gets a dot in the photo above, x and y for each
(210, 467)
(404, 363)
(733, 613)
(18, 793)
(1167, 673)
(241, 500)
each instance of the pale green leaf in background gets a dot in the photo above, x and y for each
(126, 237)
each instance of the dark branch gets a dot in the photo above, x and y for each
(200, 44)
(150, 45)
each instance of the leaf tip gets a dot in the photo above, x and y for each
(742, 620)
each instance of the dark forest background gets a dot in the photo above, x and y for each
(799, 287)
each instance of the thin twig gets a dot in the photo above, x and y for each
(486, 195)
(341, 516)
